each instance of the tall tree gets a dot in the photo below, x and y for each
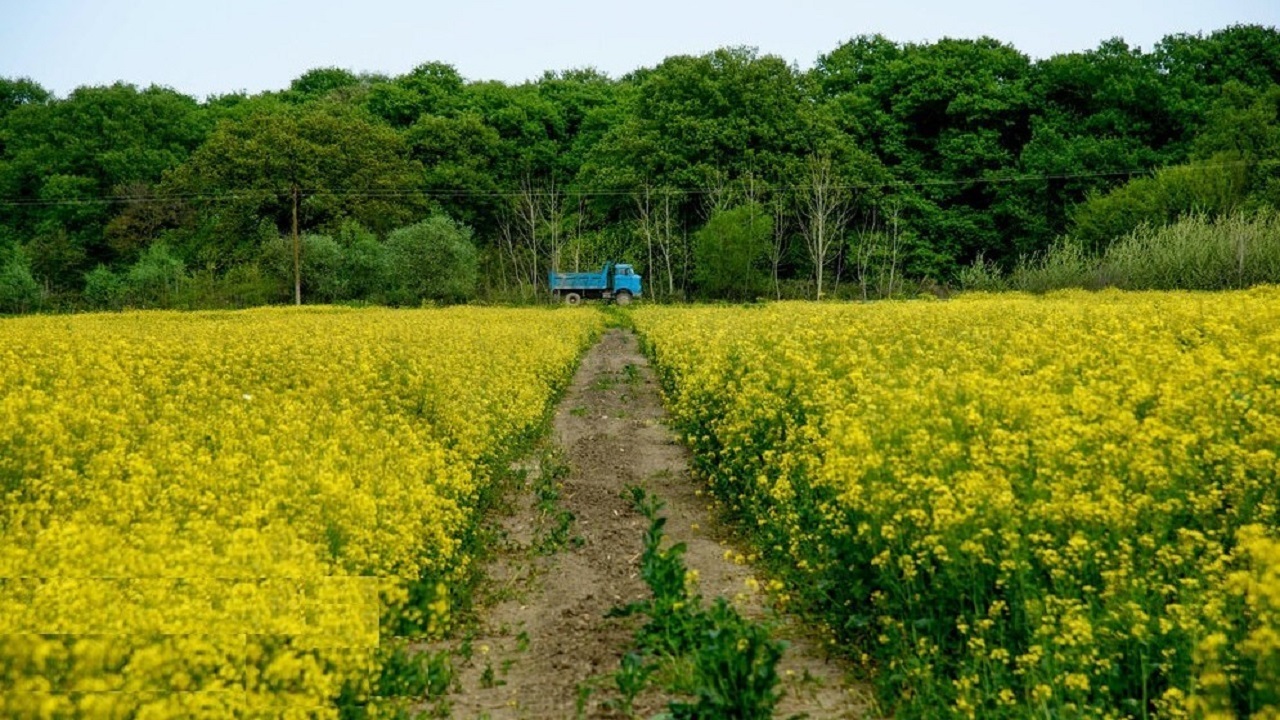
(825, 207)
(305, 168)
(66, 162)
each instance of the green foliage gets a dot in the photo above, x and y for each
(432, 88)
(322, 265)
(731, 662)
(431, 260)
(16, 92)
(19, 292)
(1064, 264)
(405, 676)
(1198, 252)
(339, 161)
(363, 269)
(1157, 200)
(320, 82)
(982, 276)
(985, 152)
(69, 154)
(103, 289)
(730, 252)
(555, 523)
(735, 669)
(240, 286)
(155, 278)
(1234, 166)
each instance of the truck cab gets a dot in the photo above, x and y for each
(626, 280)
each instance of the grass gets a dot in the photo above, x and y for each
(1195, 253)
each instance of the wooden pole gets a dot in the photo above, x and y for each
(297, 253)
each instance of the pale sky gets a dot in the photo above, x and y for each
(217, 46)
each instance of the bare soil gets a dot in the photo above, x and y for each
(544, 647)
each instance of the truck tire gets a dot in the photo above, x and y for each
(572, 299)
(623, 298)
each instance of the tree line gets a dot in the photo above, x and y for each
(887, 166)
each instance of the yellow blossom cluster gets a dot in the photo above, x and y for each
(225, 514)
(1065, 505)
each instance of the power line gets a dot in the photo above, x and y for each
(238, 195)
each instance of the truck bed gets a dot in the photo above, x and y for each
(580, 281)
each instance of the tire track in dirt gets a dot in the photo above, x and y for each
(544, 648)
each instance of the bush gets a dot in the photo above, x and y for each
(730, 250)
(1198, 253)
(982, 276)
(1065, 264)
(364, 264)
(1156, 201)
(240, 286)
(19, 291)
(1194, 253)
(322, 260)
(103, 289)
(154, 279)
(431, 260)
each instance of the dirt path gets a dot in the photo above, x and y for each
(545, 648)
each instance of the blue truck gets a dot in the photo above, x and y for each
(617, 282)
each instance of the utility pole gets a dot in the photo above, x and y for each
(297, 253)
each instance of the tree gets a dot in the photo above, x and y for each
(320, 82)
(947, 117)
(103, 289)
(429, 89)
(656, 211)
(64, 162)
(693, 122)
(825, 206)
(1194, 67)
(461, 158)
(306, 168)
(16, 92)
(1230, 168)
(432, 260)
(730, 250)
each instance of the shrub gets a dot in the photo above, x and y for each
(982, 276)
(1065, 264)
(153, 280)
(103, 289)
(1156, 201)
(322, 260)
(19, 291)
(730, 250)
(432, 260)
(363, 273)
(1198, 253)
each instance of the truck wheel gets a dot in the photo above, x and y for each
(572, 299)
(623, 298)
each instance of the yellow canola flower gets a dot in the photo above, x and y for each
(221, 514)
(1068, 504)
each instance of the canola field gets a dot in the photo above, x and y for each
(1008, 506)
(235, 514)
